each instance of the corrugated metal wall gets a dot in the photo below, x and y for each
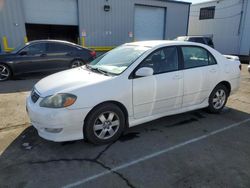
(12, 22)
(102, 28)
(112, 28)
(224, 27)
(245, 38)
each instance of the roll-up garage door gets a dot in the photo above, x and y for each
(149, 23)
(57, 12)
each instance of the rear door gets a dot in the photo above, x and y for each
(200, 72)
(60, 55)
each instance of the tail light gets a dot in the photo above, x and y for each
(93, 53)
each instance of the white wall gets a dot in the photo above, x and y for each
(245, 40)
(224, 27)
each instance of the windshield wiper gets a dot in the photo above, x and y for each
(106, 73)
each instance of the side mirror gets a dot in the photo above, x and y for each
(23, 53)
(144, 71)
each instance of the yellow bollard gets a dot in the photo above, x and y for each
(5, 45)
(83, 41)
(26, 40)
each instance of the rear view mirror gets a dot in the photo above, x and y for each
(23, 53)
(144, 71)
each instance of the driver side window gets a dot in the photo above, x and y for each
(162, 60)
(35, 49)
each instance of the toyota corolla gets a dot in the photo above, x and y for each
(132, 84)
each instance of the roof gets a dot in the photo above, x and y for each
(49, 40)
(155, 43)
(205, 2)
(174, 1)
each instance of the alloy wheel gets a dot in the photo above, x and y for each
(4, 73)
(219, 99)
(106, 125)
(76, 63)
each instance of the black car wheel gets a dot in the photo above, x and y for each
(218, 99)
(76, 63)
(5, 72)
(105, 124)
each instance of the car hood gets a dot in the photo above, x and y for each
(67, 81)
(7, 55)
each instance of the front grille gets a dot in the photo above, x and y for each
(34, 96)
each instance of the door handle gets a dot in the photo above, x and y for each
(212, 70)
(43, 55)
(177, 77)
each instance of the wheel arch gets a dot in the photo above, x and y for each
(119, 104)
(9, 66)
(226, 84)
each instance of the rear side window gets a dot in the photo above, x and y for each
(194, 57)
(211, 59)
(59, 48)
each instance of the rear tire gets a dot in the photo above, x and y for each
(104, 124)
(218, 99)
(76, 63)
(5, 72)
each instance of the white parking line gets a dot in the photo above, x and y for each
(150, 156)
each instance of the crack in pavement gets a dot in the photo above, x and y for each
(88, 160)
(129, 184)
(14, 127)
(104, 150)
(95, 160)
(242, 101)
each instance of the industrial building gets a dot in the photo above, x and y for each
(227, 21)
(93, 23)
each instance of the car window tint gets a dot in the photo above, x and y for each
(34, 49)
(59, 48)
(162, 60)
(212, 60)
(194, 57)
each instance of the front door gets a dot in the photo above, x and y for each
(32, 58)
(161, 92)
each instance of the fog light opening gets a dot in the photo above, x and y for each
(51, 130)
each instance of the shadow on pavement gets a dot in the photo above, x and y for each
(28, 156)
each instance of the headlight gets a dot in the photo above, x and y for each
(60, 100)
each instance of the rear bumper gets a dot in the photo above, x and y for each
(235, 85)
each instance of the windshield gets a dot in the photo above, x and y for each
(118, 59)
(18, 48)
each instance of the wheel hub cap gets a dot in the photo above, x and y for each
(4, 72)
(106, 125)
(219, 99)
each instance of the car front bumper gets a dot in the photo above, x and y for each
(56, 124)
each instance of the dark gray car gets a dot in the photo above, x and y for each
(199, 39)
(43, 55)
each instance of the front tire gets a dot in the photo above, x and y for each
(5, 72)
(218, 99)
(105, 124)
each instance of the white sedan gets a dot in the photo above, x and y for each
(132, 84)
